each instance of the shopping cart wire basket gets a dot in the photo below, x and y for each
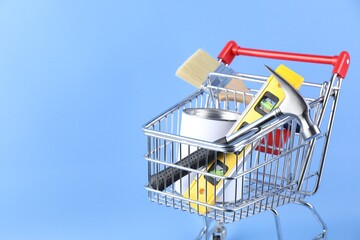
(279, 166)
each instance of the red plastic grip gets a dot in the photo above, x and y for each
(341, 63)
(274, 143)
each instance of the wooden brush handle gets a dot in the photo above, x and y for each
(236, 85)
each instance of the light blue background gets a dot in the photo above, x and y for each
(78, 79)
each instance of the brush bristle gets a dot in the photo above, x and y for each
(196, 68)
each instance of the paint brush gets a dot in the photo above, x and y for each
(195, 71)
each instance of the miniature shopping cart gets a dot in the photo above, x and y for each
(280, 166)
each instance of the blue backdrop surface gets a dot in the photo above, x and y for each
(80, 78)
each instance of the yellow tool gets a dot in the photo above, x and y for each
(206, 189)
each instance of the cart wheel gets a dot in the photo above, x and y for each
(219, 232)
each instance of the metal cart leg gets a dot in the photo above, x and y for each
(322, 235)
(204, 231)
(218, 232)
(277, 223)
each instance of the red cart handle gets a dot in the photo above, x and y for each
(341, 63)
